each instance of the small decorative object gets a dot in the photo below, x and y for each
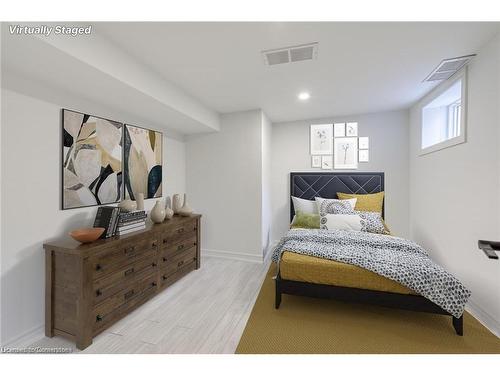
(158, 213)
(321, 139)
(86, 235)
(346, 153)
(339, 129)
(139, 199)
(176, 203)
(128, 205)
(351, 129)
(364, 143)
(169, 213)
(364, 156)
(316, 161)
(326, 162)
(185, 209)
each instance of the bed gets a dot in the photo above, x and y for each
(311, 276)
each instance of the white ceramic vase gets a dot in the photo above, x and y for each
(140, 201)
(128, 205)
(185, 210)
(176, 203)
(157, 214)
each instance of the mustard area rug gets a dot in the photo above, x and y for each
(310, 325)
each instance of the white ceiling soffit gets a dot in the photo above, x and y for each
(361, 67)
(98, 71)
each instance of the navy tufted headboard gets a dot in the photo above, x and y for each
(308, 185)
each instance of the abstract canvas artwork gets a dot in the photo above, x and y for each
(142, 162)
(92, 160)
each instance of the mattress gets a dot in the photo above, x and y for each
(305, 268)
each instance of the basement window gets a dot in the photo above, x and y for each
(444, 114)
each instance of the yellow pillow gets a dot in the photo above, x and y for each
(366, 202)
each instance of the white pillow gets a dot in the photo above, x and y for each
(343, 222)
(304, 205)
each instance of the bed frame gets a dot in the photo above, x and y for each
(307, 185)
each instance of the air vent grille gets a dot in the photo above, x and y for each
(448, 67)
(287, 55)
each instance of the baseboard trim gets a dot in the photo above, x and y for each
(27, 338)
(483, 317)
(232, 255)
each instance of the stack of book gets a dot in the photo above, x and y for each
(107, 217)
(129, 222)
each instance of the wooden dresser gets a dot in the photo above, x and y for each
(90, 287)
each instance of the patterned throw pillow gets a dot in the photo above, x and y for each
(335, 206)
(371, 222)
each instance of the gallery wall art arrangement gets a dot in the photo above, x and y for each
(103, 160)
(337, 146)
(142, 162)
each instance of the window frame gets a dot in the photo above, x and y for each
(440, 89)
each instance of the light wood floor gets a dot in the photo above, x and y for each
(205, 312)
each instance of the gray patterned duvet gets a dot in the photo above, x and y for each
(396, 258)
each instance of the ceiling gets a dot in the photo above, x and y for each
(361, 67)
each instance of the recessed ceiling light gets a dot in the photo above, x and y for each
(304, 95)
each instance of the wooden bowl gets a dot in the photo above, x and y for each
(86, 235)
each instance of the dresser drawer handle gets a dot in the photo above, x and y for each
(153, 264)
(165, 240)
(130, 249)
(180, 230)
(98, 292)
(98, 267)
(180, 247)
(129, 271)
(164, 277)
(164, 259)
(98, 318)
(154, 244)
(153, 284)
(180, 263)
(129, 294)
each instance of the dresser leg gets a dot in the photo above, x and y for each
(49, 325)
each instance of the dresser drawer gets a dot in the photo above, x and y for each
(176, 263)
(112, 259)
(113, 307)
(177, 249)
(179, 234)
(145, 265)
(183, 271)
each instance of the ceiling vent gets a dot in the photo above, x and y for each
(448, 67)
(287, 55)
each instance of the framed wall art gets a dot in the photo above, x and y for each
(321, 138)
(91, 160)
(142, 162)
(346, 153)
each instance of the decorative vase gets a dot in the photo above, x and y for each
(169, 213)
(157, 214)
(176, 203)
(168, 202)
(185, 209)
(140, 201)
(128, 205)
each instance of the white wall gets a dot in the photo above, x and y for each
(31, 190)
(266, 182)
(455, 192)
(388, 133)
(224, 182)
